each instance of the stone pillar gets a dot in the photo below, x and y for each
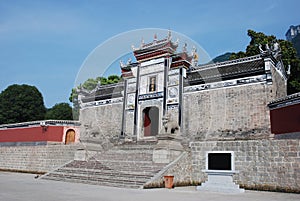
(167, 149)
(220, 181)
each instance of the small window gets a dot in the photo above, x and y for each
(152, 84)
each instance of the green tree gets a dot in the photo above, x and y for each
(20, 103)
(74, 99)
(296, 43)
(289, 56)
(60, 111)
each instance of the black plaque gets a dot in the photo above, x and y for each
(219, 161)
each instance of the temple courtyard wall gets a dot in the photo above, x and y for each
(272, 165)
(101, 124)
(35, 159)
(234, 112)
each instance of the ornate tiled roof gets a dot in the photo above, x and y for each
(155, 49)
(43, 122)
(105, 92)
(285, 101)
(248, 66)
(181, 59)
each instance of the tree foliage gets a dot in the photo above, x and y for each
(60, 111)
(289, 56)
(20, 103)
(296, 43)
(91, 83)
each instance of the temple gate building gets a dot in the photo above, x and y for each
(225, 100)
(203, 124)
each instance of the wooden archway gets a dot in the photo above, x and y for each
(70, 136)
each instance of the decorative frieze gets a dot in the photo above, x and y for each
(229, 83)
(102, 102)
(151, 96)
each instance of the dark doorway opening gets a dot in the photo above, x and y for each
(150, 120)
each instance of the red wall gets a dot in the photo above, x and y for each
(32, 134)
(285, 119)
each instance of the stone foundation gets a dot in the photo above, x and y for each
(35, 159)
(262, 164)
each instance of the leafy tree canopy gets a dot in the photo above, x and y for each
(91, 83)
(296, 43)
(20, 103)
(289, 56)
(60, 111)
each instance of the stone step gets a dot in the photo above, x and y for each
(106, 172)
(119, 165)
(123, 158)
(95, 181)
(126, 166)
(105, 176)
(134, 148)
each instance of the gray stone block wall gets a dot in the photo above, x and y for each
(279, 84)
(262, 164)
(228, 113)
(182, 171)
(35, 158)
(101, 124)
(129, 125)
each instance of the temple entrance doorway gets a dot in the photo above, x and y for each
(150, 121)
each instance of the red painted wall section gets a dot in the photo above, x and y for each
(285, 119)
(32, 134)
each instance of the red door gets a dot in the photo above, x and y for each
(151, 121)
(147, 122)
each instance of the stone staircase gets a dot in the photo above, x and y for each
(127, 166)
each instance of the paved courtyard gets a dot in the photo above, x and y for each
(16, 186)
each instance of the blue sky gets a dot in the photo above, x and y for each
(44, 43)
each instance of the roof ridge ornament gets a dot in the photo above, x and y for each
(195, 56)
(142, 42)
(169, 37)
(274, 50)
(184, 48)
(155, 38)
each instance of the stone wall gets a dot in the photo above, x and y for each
(101, 124)
(180, 168)
(227, 113)
(262, 164)
(37, 159)
(182, 171)
(279, 84)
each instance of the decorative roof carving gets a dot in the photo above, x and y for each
(285, 101)
(157, 43)
(248, 66)
(102, 92)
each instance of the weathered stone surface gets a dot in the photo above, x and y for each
(101, 124)
(35, 158)
(258, 166)
(228, 113)
(220, 182)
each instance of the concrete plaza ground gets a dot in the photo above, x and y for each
(17, 187)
